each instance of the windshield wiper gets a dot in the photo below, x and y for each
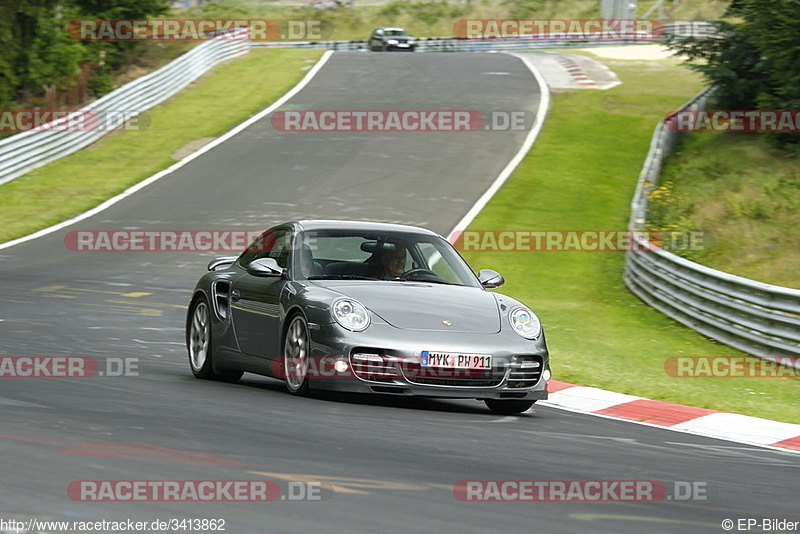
(414, 279)
(340, 277)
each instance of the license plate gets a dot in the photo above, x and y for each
(455, 360)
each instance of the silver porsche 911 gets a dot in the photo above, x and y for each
(366, 307)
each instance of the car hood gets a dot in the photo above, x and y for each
(421, 306)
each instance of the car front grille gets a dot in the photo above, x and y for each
(430, 376)
(457, 382)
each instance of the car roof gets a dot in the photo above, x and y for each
(331, 224)
(391, 28)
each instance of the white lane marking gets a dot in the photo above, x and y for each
(541, 113)
(144, 183)
(694, 431)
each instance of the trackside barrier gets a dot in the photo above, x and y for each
(26, 151)
(451, 44)
(757, 318)
(697, 29)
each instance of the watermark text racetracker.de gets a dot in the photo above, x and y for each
(726, 120)
(66, 367)
(732, 367)
(159, 240)
(197, 490)
(575, 240)
(560, 29)
(373, 365)
(72, 121)
(198, 29)
(579, 491)
(430, 120)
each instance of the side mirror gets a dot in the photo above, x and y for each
(264, 267)
(490, 279)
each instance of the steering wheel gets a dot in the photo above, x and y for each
(413, 273)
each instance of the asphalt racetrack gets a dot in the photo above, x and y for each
(381, 465)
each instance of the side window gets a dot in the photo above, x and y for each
(268, 245)
(283, 245)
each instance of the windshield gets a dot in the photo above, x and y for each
(394, 32)
(364, 255)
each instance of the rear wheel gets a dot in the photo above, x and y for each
(295, 356)
(200, 346)
(508, 407)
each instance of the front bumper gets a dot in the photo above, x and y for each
(520, 367)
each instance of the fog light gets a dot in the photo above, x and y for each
(546, 375)
(340, 366)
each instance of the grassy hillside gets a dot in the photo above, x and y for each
(743, 194)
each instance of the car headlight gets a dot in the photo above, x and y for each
(351, 314)
(525, 323)
(392, 41)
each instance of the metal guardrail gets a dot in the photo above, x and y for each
(452, 44)
(523, 42)
(757, 318)
(29, 150)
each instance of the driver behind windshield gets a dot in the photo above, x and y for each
(391, 261)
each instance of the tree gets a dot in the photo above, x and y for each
(38, 54)
(774, 26)
(754, 61)
(117, 52)
(22, 24)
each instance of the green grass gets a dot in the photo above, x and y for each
(743, 194)
(212, 105)
(581, 174)
(686, 9)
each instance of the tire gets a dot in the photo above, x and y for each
(508, 407)
(296, 351)
(200, 345)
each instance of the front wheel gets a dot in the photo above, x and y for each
(200, 346)
(508, 407)
(295, 356)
